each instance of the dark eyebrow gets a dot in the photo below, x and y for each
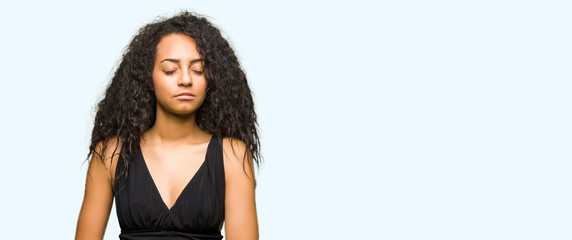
(170, 60)
(177, 60)
(197, 60)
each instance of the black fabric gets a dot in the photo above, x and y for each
(198, 213)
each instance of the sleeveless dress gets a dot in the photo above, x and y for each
(198, 212)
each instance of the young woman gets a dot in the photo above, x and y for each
(175, 139)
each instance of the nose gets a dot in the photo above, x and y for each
(185, 78)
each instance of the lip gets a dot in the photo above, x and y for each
(185, 95)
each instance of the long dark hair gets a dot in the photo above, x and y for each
(129, 106)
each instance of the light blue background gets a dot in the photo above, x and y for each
(388, 120)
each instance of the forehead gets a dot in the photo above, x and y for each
(177, 46)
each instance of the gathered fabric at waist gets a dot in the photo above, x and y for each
(165, 234)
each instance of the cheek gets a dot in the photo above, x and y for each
(159, 83)
(202, 85)
(155, 79)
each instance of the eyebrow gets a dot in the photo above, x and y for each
(177, 60)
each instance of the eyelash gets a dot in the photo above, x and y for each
(171, 72)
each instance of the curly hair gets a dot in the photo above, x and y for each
(128, 108)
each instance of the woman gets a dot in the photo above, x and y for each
(174, 140)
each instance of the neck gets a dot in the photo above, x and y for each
(172, 128)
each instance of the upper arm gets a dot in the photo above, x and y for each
(240, 207)
(98, 196)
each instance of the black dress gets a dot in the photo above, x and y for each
(198, 212)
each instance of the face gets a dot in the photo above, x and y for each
(178, 75)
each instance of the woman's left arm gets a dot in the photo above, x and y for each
(240, 207)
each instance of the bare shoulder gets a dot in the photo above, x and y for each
(98, 196)
(106, 155)
(240, 205)
(234, 147)
(237, 159)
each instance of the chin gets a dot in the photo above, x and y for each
(184, 112)
(178, 109)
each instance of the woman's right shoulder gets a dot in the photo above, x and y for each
(109, 149)
(106, 154)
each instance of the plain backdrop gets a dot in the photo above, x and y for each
(379, 119)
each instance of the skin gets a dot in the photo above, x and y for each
(173, 147)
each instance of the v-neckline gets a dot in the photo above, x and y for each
(184, 188)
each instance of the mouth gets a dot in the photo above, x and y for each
(185, 95)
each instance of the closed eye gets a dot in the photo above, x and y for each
(169, 72)
(198, 72)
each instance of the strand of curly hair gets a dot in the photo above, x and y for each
(128, 107)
